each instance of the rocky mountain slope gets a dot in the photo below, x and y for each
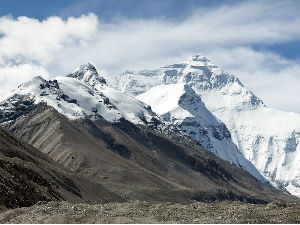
(27, 176)
(266, 137)
(114, 140)
(137, 163)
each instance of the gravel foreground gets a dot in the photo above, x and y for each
(144, 212)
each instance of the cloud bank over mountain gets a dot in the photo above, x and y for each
(236, 37)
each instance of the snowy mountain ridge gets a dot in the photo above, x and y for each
(76, 99)
(82, 94)
(268, 138)
(180, 105)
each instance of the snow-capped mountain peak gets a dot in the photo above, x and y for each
(218, 88)
(198, 59)
(83, 93)
(89, 75)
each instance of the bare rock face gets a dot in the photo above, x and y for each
(27, 176)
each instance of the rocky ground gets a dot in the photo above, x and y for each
(143, 212)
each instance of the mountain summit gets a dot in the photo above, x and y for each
(88, 74)
(266, 137)
(201, 74)
(198, 58)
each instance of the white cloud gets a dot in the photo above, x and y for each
(29, 40)
(13, 75)
(225, 34)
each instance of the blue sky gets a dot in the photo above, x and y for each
(106, 9)
(256, 40)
